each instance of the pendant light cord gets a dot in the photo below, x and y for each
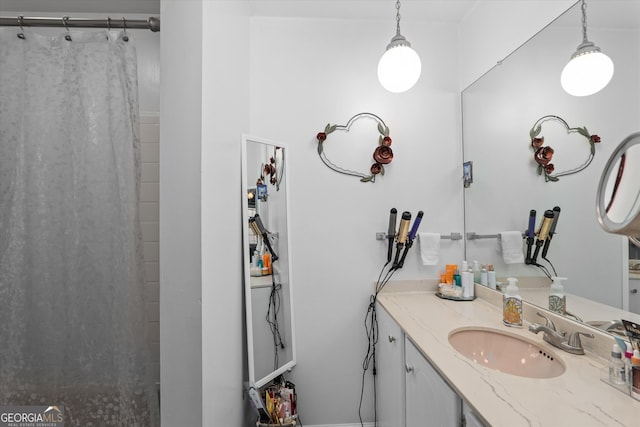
(398, 17)
(584, 22)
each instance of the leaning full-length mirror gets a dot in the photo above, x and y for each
(267, 260)
(501, 109)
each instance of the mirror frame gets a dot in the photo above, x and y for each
(253, 381)
(630, 226)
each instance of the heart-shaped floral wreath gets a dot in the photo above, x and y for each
(382, 155)
(543, 154)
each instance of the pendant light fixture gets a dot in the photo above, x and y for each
(399, 68)
(589, 70)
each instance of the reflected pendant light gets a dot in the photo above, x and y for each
(589, 70)
(399, 68)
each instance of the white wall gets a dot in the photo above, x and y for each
(306, 73)
(225, 117)
(181, 348)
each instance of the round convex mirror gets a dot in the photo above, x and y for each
(618, 197)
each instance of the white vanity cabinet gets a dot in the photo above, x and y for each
(429, 399)
(390, 371)
(410, 391)
(469, 416)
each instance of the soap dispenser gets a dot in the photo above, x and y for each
(557, 297)
(512, 305)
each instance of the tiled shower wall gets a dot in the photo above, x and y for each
(149, 220)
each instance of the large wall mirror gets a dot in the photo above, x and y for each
(499, 111)
(267, 260)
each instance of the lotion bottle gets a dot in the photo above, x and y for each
(468, 290)
(512, 305)
(491, 276)
(635, 374)
(484, 278)
(628, 354)
(616, 366)
(457, 280)
(557, 297)
(476, 271)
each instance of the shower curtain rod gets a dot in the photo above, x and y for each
(153, 23)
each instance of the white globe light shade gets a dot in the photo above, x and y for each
(399, 69)
(587, 74)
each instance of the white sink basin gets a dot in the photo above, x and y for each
(506, 352)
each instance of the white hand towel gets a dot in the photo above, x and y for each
(511, 242)
(429, 248)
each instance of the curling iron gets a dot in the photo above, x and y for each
(552, 231)
(391, 233)
(401, 238)
(530, 233)
(543, 233)
(410, 238)
(258, 228)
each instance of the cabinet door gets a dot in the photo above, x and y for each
(390, 364)
(470, 417)
(429, 399)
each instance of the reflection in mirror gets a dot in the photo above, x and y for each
(267, 261)
(618, 198)
(498, 110)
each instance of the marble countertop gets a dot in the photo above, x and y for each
(576, 398)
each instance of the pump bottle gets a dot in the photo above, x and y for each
(557, 297)
(512, 304)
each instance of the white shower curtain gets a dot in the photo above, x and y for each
(72, 312)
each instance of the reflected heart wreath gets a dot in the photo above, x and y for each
(382, 155)
(544, 154)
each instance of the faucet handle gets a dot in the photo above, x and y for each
(574, 338)
(549, 324)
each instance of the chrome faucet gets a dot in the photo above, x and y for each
(611, 326)
(571, 345)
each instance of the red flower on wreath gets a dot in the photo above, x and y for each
(543, 155)
(537, 142)
(383, 154)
